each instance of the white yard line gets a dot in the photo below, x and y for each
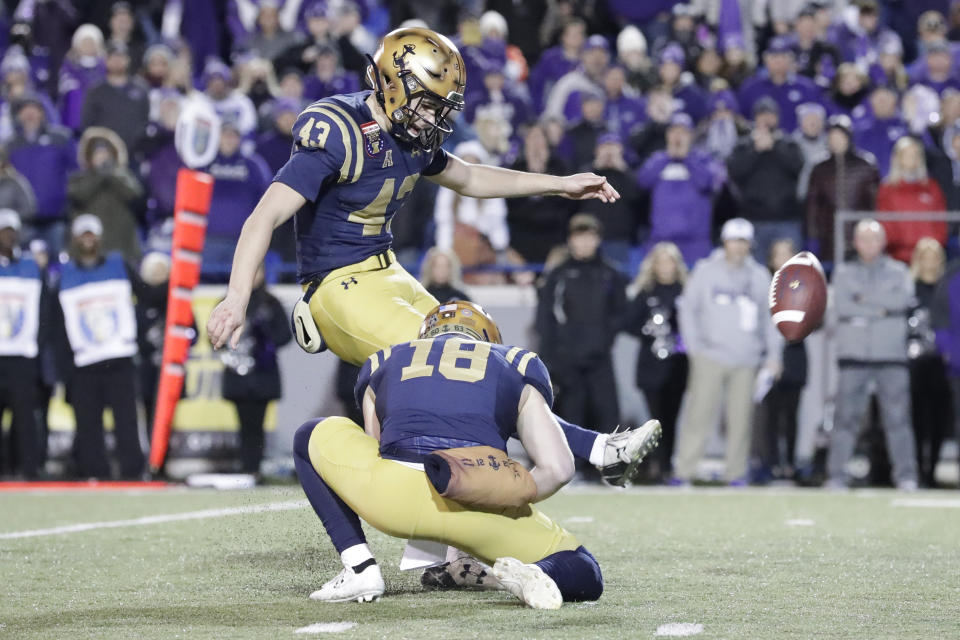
(679, 629)
(932, 503)
(148, 520)
(327, 627)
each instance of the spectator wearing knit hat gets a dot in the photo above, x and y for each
(778, 81)
(938, 71)
(847, 179)
(765, 168)
(579, 142)
(816, 58)
(881, 127)
(621, 220)
(82, 69)
(632, 55)
(723, 126)
(44, 154)
(328, 77)
(229, 103)
(682, 182)
(687, 96)
(16, 83)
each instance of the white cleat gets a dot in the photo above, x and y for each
(626, 450)
(347, 586)
(529, 583)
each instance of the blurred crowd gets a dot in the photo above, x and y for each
(772, 114)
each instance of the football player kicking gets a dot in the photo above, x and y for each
(455, 386)
(355, 158)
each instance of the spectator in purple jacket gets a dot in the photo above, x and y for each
(44, 154)
(15, 83)
(682, 182)
(858, 35)
(503, 96)
(83, 68)
(276, 143)
(624, 110)
(779, 82)
(687, 95)
(938, 71)
(816, 58)
(159, 159)
(239, 181)
(880, 130)
(328, 77)
(198, 22)
(229, 103)
(848, 92)
(588, 76)
(556, 62)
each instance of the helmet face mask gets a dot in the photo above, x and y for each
(462, 318)
(418, 76)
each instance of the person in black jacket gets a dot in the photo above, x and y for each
(536, 223)
(662, 363)
(581, 308)
(765, 169)
(251, 378)
(780, 405)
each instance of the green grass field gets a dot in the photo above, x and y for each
(851, 565)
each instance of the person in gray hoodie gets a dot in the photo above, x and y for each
(872, 295)
(728, 332)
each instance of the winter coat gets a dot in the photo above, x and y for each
(724, 313)
(794, 91)
(767, 180)
(580, 310)
(858, 177)
(124, 110)
(870, 302)
(652, 317)
(537, 223)
(239, 181)
(17, 194)
(45, 162)
(912, 197)
(681, 198)
(110, 193)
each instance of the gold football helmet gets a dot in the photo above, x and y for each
(461, 317)
(416, 72)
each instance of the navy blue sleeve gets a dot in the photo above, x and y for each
(319, 153)
(437, 164)
(536, 375)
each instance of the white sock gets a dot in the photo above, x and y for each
(596, 453)
(355, 555)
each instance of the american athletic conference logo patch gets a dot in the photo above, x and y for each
(372, 144)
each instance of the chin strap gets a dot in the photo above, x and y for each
(378, 89)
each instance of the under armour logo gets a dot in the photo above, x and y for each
(346, 283)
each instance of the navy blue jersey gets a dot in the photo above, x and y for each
(354, 176)
(449, 392)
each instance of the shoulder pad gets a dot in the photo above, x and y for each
(327, 126)
(532, 370)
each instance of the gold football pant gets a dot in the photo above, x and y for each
(400, 501)
(365, 307)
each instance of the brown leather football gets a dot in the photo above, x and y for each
(798, 296)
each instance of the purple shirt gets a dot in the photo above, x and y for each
(794, 91)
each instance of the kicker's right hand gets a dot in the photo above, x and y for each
(226, 322)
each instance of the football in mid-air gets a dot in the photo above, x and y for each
(798, 296)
